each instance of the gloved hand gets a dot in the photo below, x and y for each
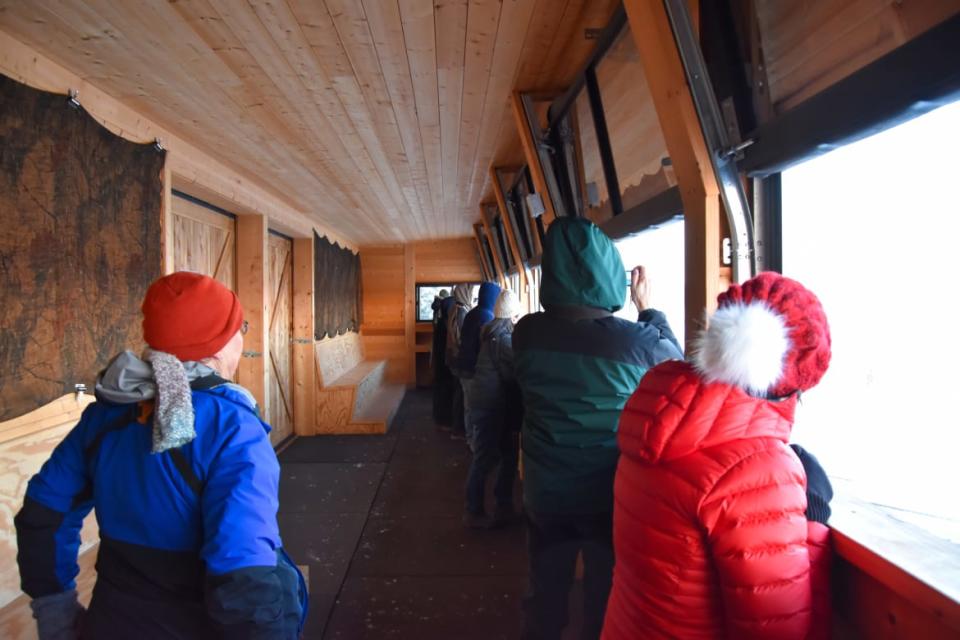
(58, 615)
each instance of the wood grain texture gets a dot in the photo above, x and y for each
(80, 212)
(204, 241)
(280, 314)
(654, 40)
(374, 120)
(252, 290)
(304, 370)
(20, 459)
(190, 170)
(809, 46)
(446, 261)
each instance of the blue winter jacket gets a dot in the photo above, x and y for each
(190, 546)
(472, 324)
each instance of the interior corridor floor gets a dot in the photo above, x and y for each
(377, 519)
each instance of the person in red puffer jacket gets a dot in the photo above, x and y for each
(710, 504)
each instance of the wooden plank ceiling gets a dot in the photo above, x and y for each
(378, 117)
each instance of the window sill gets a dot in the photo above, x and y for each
(915, 564)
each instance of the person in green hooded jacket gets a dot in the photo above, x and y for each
(577, 365)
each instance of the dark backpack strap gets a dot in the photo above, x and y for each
(90, 451)
(208, 382)
(186, 471)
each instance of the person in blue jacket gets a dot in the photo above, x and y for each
(466, 360)
(178, 465)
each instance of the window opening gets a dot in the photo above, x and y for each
(660, 249)
(871, 228)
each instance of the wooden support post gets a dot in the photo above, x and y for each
(410, 312)
(252, 290)
(508, 226)
(304, 364)
(688, 151)
(166, 219)
(501, 271)
(533, 158)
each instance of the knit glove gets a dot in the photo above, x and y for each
(58, 615)
(819, 490)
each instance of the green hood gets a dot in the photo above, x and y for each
(581, 267)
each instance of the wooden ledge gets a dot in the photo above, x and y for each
(66, 408)
(920, 567)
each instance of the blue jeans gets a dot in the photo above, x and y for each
(493, 443)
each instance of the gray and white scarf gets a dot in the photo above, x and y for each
(128, 379)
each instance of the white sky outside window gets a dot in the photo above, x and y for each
(660, 250)
(872, 229)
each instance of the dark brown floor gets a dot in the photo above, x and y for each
(377, 521)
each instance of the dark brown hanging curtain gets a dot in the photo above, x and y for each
(80, 236)
(337, 294)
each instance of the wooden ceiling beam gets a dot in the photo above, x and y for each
(532, 156)
(688, 151)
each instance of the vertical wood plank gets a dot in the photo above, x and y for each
(252, 291)
(409, 312)
(304, 378)
(533, 158)
(688, 151)
(166, 219)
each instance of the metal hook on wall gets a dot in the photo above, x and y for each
(158, 145)
(73, 98)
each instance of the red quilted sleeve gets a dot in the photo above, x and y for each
(821, 555)
(757, 534)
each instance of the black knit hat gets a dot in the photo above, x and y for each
(819, 490)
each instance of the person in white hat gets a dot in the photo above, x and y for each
(496, 412)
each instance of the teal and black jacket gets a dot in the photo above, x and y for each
(577, 364)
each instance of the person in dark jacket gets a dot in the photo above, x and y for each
(462, 301)
(496, 412)
(178, 465)
(577, 364)
(466, 360)
(442, 378)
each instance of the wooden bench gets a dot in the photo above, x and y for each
(353, 395)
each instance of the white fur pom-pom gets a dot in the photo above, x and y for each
(744, 345)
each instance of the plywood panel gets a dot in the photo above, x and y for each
(20, 459)
(204, 241)
(336, 356)
(16, 619)
(809, 46)
(280, 314)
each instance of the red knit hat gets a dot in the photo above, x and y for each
(769, 335)
(190, 315)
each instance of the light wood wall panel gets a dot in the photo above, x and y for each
(447, 261)
(280, 314)
(204, 241)
(384, 328)
(808, 46)
(253, 292)
(304, 367)
(20, 459)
